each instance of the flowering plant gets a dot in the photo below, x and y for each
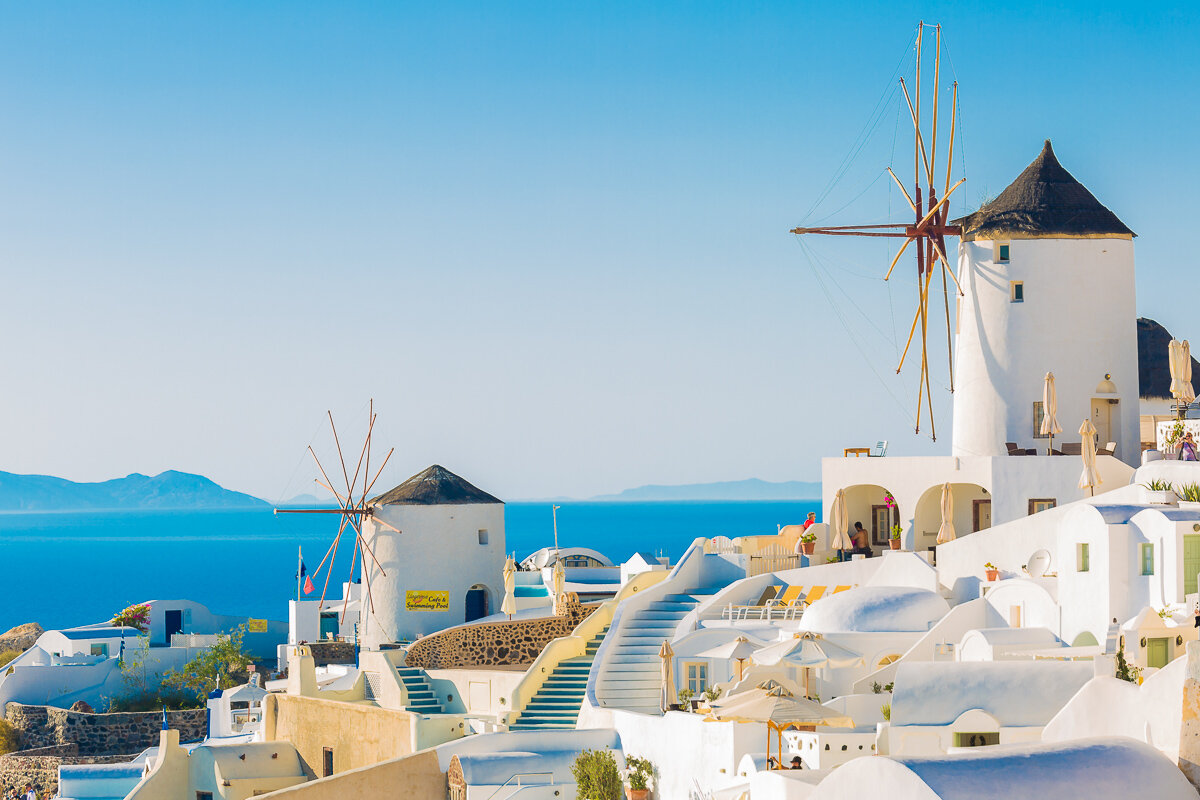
(808, 536)
(135, 616)
(889, 500)
(989, 565)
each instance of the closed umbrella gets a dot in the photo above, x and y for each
(1050, 424)
(1090, 478)
(509, 606)
(1188, 395)
(669, 697)
(1175, 362)
(558, 582)
(839, 521)
(946, 532)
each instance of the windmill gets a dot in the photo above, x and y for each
(352, 508)
(931, 226)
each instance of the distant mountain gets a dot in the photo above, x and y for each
(170, 489)
(750, 489)
(309, 500)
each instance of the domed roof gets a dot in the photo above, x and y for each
(1044, 200)
(875, 609)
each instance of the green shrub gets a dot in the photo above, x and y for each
(638, 771)
(1189, 492)
(10, 740)
(596, 776)
(1125, 670)
(886, 708)
(7, 656)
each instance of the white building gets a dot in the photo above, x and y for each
(439, 544)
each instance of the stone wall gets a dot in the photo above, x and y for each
(325, 653)
(101, 734)
(493, 644)
(40, 766)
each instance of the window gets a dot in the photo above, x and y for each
(1039, 412)
(696, 675)
(883, 662)
(1002, 250)
(483, 535)
(1147, 559)
(203, 795)
(979, 739)
(1082, 557)
(1016, 291)
(326, 762)
(100, 650)
(1041, 504)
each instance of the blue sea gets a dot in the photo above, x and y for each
(64, 569)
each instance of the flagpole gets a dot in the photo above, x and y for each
(299, 577)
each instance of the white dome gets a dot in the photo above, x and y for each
(875, 609)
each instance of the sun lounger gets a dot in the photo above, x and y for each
(814, 594)
(837, 589)
(786, 605)
(733, 612)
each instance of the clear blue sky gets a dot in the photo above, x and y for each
(550, 239)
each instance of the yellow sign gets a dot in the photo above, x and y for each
(426, 600)
(256, 625)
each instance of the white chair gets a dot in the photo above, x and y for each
(880, 448)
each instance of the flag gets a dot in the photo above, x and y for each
(308, 584)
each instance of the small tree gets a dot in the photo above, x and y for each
(221, 666)
(135, 671)
(10, 739)
(135, 616)
(596, 776)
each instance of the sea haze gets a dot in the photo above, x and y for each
(74, 568)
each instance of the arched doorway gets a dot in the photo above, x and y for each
(869, 504)
(477, 603)
(972, 512)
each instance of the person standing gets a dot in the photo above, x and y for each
(812, 519)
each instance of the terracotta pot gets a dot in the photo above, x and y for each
(993, 574)
(808, 547)
(895, 543)
(636, 794)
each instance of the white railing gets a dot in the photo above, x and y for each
(522, 775)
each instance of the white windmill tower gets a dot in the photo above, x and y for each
(1047, 274)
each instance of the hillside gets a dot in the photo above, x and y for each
(170, 489)
(749, 489)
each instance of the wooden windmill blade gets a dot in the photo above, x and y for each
(930, 227)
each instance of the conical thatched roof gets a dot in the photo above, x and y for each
(435, 486)
(1044, 200)
(1154, 367)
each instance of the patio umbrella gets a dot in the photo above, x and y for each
(1175, 362)
(737, 650)
(558, 582)
(808, 652)
(781, 710)
(946, 532)
(1090, 478)
(1050, 424)
(669, 697)
(839, 521)
(509, 606)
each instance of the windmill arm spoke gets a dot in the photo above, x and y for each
(896, 259)
(380, 472)
(907, 196)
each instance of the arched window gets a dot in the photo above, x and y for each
(888, 659)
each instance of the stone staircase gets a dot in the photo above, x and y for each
(557, 702)
(633, 671)
(421, 698)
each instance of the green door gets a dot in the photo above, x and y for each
(1157, 650)
(1191, 562)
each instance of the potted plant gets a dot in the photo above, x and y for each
(1173, 436)
(596, 776)
(1189, 496)
(993, 574)
(895, 540)
(808, 542)
(1160, 492)
(639, 772)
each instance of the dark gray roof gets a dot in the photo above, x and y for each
(435, 486)
(1044, 200)
(1154, 368)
